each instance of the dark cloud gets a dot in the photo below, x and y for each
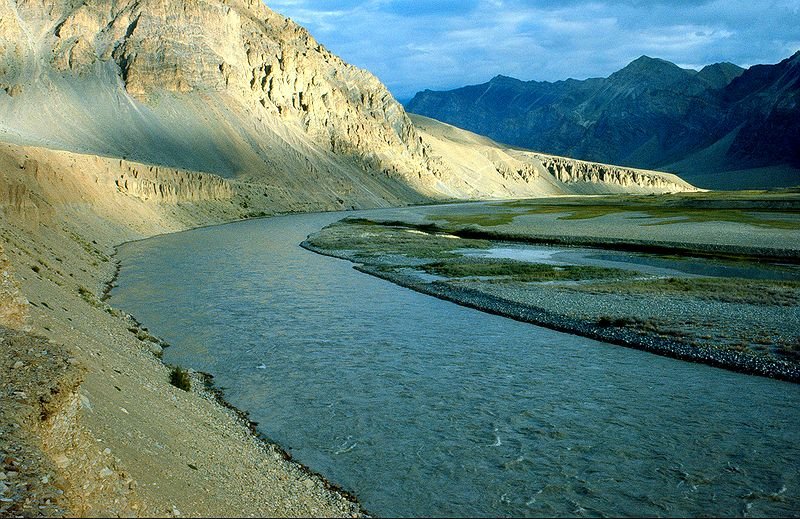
(412, 45)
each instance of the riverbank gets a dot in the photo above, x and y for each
(95, 428)
(91, 425)
(744, 325)
(441, 401)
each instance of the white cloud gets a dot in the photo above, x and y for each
(412, 45)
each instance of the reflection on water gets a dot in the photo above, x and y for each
(422, 407)
(641, 262)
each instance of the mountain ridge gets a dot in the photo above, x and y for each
(650, 114)
(227, 87)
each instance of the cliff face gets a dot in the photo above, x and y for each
(258, 57)
(223, 87)
(226, 87)
(570, 171)
(169, 185)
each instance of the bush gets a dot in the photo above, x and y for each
(607, 321)
(179, 378)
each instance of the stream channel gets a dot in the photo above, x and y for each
(425, 408)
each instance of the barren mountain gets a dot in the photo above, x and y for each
(223, 87)
(720, 127)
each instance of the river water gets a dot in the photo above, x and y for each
(423, 407)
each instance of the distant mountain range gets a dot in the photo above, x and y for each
(721, 127)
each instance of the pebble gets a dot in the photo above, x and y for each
(62, 461)
(106, 472)
(18, 364)
(3, 488)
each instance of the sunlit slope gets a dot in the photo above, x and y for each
(234, 89)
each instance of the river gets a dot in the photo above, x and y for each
(422, 407)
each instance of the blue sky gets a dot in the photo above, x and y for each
(412, 45)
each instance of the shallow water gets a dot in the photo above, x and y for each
(423, 407)
(640, 262)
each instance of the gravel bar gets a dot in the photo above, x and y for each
(741, 362)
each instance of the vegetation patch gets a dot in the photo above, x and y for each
(778, 211)
(88, 296)
(367, 239)
(520, 271)
(650, 326)
(790, 350)
(89, 248)
(724, 290)
(179, 378)
(692, 312)
(491, 219)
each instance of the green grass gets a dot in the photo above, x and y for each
(88, 296)
(370, 239)
(519, 271)
(790, 350)
(756, 209)
(725, 290)
(482, 219)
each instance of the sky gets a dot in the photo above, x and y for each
(413, 45)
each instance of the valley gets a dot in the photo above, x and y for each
(160, 163)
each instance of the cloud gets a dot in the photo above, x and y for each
(412, 45)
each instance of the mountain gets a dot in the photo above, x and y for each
(125, 119)
(223, 87)
(722, 126)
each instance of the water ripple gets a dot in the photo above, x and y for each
(423, 407)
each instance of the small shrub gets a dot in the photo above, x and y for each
(791, 349)
(607, 321)
(89, 297)
(179, 378)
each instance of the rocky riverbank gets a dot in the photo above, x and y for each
(91, 425)
(745, 325)
(742, 362)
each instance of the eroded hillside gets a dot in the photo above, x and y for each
(224, 87)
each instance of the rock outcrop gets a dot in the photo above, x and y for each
(223, 87)
(170, 185)
(13, 305)
(266, 90)
(571, 171)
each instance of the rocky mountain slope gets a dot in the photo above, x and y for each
(483, 162)
(223, 87)
(720, 127)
